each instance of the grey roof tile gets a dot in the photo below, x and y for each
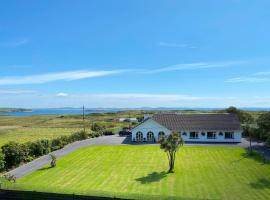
(225, 122)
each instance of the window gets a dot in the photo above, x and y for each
(184, 133)
(193, 135)
(203, 133)
(150, 137)
(160, 134)
(220, 134)
(229, 135)
(211, 135)
(139, 136)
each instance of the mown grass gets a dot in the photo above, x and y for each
(140, 172)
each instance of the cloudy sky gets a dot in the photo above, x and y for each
(134, 53)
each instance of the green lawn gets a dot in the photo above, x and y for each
(140, 172)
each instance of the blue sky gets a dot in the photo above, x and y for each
(134, 53)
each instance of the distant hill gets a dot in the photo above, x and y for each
(15, 110)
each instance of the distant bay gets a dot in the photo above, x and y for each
(76, 111)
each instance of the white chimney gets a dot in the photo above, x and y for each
(146, 116)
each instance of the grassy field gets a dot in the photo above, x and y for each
(31, 128)
(22, 134)
(140, 172)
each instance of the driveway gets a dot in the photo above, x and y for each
(116, 140)
(41, 161)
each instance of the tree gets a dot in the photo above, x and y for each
(264, 122)
(170, 144)
(244, 117)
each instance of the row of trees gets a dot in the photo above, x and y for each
(258, 129)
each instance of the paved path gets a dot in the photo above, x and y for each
(40, 162)
(116, 140)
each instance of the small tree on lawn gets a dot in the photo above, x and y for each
(170, 144)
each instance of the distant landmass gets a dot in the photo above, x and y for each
(8, 110)
(76, 111)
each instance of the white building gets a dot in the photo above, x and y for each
(191, 127)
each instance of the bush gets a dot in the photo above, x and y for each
(97, 127)
(39, 148)
(2, 162)
(58, 143)
(15, 153)
(53, 160)
(96, 134)
(81, 135)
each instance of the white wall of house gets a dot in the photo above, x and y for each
(149, 126)
(152, 126)
(237, 135)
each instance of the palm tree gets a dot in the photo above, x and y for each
(170, 144)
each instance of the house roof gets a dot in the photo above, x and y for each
(196, 122)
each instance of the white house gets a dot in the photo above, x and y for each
(191, 127)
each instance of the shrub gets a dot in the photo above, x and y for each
(96, 134)
(15, 153)
(97, 127)
(39, 148)
(53, 160)
(58, 143)
(2, 162)
(81, 135)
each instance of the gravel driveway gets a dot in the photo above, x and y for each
(115, 140)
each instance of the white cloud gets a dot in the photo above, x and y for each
(62, 94)
(50, 77)
(16, 92)
(167, 44)
(262, 74)
(259, 77)
(247, 80)
(196, 66)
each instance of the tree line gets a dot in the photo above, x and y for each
(256, 129)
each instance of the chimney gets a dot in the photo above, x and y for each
(146, 116)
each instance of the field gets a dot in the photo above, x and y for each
(140, 172)
(23, 129)
(22, 135)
